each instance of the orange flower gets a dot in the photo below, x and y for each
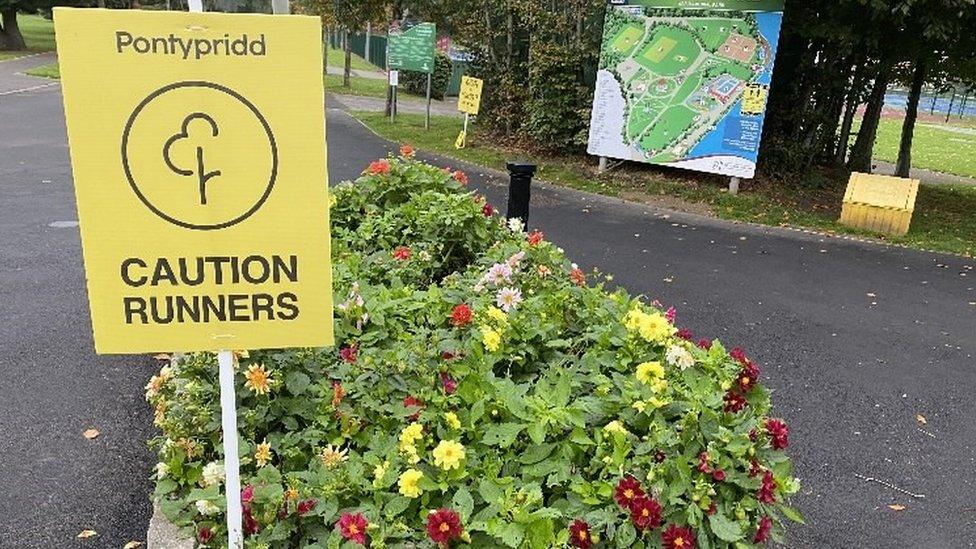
(379, 167)
(406, 150)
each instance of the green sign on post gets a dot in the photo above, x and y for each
(411, 47)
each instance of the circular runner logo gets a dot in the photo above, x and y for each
(199, 155)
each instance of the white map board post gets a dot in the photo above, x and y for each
(685, 86)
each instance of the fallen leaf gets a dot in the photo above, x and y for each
(132, 545)
(85, 534)
(91, 434)
(896, 507)
(668, 279)
(921, 419)
(161, 356)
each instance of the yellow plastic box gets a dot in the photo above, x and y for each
(879, 203)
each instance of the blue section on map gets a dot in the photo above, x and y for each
(738, 135)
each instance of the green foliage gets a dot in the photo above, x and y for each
(548, 397)
(416, 82)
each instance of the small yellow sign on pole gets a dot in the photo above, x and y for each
(469, 98)
(879, 203)
(198, 149)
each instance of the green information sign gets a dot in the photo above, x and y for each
(411, 47)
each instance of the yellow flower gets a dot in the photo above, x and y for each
(258, 379)
(448, 454)
(633, 319)
(649, 371)
(615, 427)
(654, 327)
(409, 483)
(659, 385)
(491, 338)
(639, 405)
(410, 435)
(497, 315)
(291, 493)
(332, 456)
(262, 455)
(452, 420)
(657, 403)
(379, 472)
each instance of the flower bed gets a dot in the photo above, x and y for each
(481, 392)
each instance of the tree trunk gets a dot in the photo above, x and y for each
(952, 102)
(904, 166)
(325, 50)
(347, 62)
(852, 102)
(863, 151)
(10, 36)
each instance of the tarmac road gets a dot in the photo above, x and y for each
(855, 339)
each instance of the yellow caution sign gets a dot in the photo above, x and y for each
(469, 98)
(198, 149)
(461, 140)
(879, 203)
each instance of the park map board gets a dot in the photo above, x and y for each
(684, 83)
(411, 46)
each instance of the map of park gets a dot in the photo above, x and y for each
(681, 74)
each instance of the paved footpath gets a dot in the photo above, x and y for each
(856, 339)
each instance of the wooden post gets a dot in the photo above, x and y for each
(734, 185)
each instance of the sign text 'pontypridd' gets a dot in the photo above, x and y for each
(200, 178)
(219, 271)
(197, 48)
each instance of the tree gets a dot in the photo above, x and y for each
(10, 35)
(347, 15)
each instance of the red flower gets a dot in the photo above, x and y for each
(660, 456)
(670, 314)
(740, 355)
(703, 463)
(778, 433)
(704, 343)
(379, 167)
(251, 526)
(412, 402)
(204, 535)
(461, 315)
(306, 506)
(734, 402)
(712, 509)
(487, 210)
(762, 531)
(754, 468)
(402, 253)
(349, 354)
(247, 494)
(676, 537)
(766, 492)
(577, 277)
(443, 526)
(748, 377)
(685, 334)
(579, 534)
(718, 475)
(535, 237)
(461, 177)
(406, 150)
(353, 527)
(447, 355)
(645, 513)
(627, 489)
(449, 383)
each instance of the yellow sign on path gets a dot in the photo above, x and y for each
(469, 98)
(879, 203)
(198, 151)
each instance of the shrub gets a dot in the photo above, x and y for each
(481, 393)
(416, 82)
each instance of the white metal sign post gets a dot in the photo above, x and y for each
(394, 83)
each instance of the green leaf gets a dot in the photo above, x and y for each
(463, 502)
(791, 513)
(512, 534)
(626, 535)
(537, 432)
(540, 534)
(502, 434)
(297, 382)
(396, 506)
(536, 453)
(725, 529)
(489, 491)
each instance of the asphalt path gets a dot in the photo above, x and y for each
(856, 339)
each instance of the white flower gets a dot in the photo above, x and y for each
(509, 298)
(680, 357)
(499, 273)
(515, 225)
(161, 470)
(213, 473)
(206, 507)
(424, 255)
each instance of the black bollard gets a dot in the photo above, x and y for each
(519, 190)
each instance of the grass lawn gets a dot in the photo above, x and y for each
(38, 34)
(941, 148)
(337, 58)
(366, 87)
(51, 70)
(943, 215)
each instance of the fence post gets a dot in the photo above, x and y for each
(520, 190)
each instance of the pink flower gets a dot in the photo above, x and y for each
(402, 253)
(449, 383)
(509, 298)
(349, 354)
(353, 527)
(685, 334)
(487, 210)
(718, 475)
(670, 314)
(247, 494)
(204, 535)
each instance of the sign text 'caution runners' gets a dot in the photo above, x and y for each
(198, 150)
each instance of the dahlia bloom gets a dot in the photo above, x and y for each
(448, 454)
(406, 150)
(509, 298)
(645, 513)
(579, 535)
(762, 530)
(627, 490)
(778, 433)
(402, 253)
(349, 354)
(676, 537)
(535, 237)
(379, 167)
(461, 315)
(353, 527)
(766, 493)
(443, 526)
